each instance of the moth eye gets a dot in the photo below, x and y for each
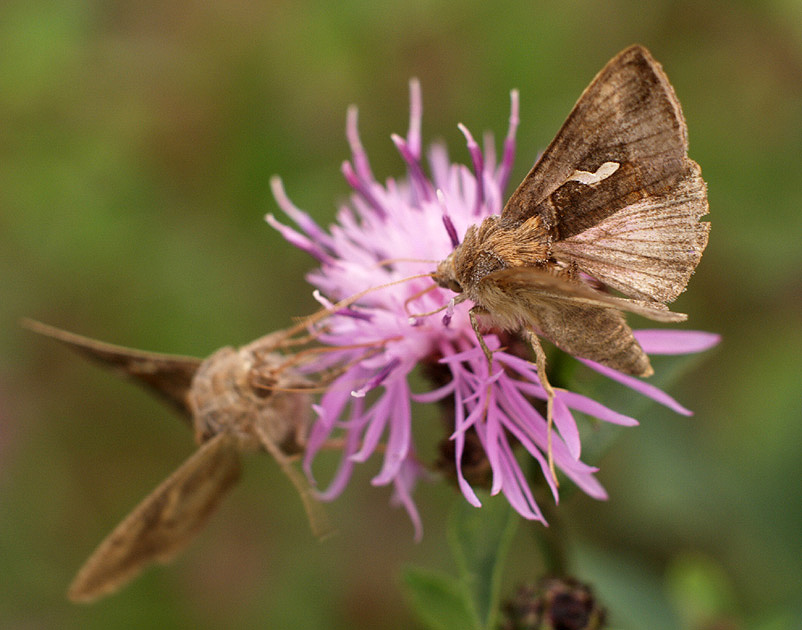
(454, 286)
(445, 282)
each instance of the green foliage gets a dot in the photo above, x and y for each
(439, 600)
(701, 591)
(479, 539)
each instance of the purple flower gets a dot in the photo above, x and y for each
(398, 230)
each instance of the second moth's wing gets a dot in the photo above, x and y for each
(163, 523)
(166, 375)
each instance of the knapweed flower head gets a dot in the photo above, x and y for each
(386, 242)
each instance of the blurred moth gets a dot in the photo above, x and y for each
(236, 400)
(613, 203)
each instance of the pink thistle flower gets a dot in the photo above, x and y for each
(393, 231)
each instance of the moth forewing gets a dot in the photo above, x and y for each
(629, 116)
(168, 376)
(163, 523)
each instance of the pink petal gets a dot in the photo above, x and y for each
(665, 341)
(639, 386)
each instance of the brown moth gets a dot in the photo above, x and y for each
(613, 203)
(236, 401)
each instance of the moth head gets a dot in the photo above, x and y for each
(446, 275)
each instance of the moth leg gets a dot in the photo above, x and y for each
(318, 520)
(480, 337)
(540, 357)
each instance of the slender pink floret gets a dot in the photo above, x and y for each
(400, 228)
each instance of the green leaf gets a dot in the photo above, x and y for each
(700, 589)
(480, 539)
(438, 599)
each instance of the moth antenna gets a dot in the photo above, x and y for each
(372, 348)
(254, 383)
(420, 293)
(391, 261)
(323, 313)
(321, 385)
(299, 341)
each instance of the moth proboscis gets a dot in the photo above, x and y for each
(237, 400)
(614, 202)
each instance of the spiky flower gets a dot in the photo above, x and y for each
(391, 235)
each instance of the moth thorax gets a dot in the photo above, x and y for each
(245, 395)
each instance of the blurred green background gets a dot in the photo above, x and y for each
(136, 144)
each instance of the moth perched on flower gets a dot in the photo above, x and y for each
(237, 400)
(613, 203)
